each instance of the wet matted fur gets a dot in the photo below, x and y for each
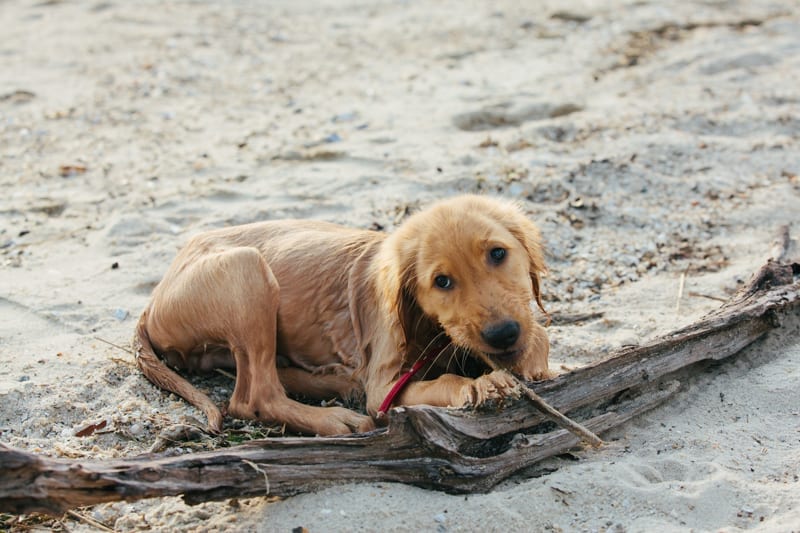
(321, 310)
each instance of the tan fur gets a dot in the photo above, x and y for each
(324, 311)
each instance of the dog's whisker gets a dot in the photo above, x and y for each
(463, 361)
(430, 343)
(453, 358)
(418, 324)
(452, 361)
(424, 352)
(436, 359)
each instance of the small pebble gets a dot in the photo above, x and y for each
(345, 117)
(516, 189)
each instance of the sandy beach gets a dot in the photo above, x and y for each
(656, 144)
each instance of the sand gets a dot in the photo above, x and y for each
(649, 140)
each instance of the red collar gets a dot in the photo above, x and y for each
(398, 386)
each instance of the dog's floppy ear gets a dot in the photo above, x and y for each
(398, 288)
(410, 318)
(529, 236)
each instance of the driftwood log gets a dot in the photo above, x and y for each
(444, 449)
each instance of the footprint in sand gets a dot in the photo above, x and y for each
(508, 115)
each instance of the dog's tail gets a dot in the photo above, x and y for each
(161, 375)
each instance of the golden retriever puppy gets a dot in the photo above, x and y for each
(319, 310)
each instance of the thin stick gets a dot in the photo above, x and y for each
(225, 373)
(90, 521)
(121, 361)
(556, 416)
(710, 297)
(115, 345)
(260, 470)
(680, 291)
(563, 319)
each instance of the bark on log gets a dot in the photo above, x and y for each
(451, 450)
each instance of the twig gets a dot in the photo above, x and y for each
(260, 470)
(121, 361)
(710, 297)
(556, 416)
(563, 319)
(91, 521)
(114, 345)
(680, 291)
(225, 373)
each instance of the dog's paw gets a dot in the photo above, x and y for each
(495, 386)
(341, 421)
(538, 375)
(336, 369)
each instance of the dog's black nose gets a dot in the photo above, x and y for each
(502, 335)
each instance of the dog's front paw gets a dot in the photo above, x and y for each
(341, 421)
(538, 375)
(495, 386)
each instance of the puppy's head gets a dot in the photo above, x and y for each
(470, 266)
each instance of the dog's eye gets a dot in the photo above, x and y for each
(443, 282)
(497, 254)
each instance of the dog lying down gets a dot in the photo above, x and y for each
(318, 310)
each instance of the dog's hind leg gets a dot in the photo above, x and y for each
(319, 386)
(232, 298)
